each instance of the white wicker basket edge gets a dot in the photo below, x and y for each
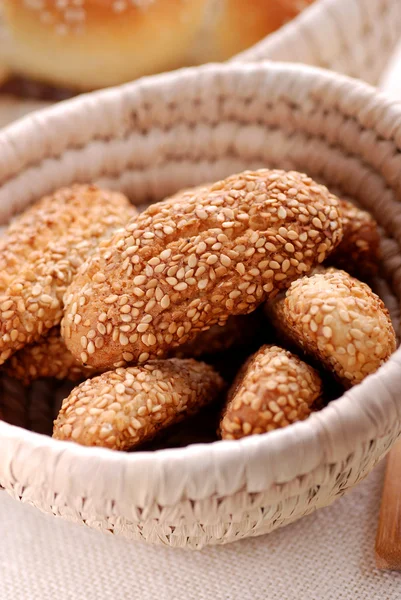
(170, 476)
(34, 141)
(142, 138)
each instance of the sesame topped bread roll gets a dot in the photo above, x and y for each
(190, 262)
(49, 357)
(273, 389)
(123, 408)
(232, 26)
(63, 42)
(42, 251)
(339, 321)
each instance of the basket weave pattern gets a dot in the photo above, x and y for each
(354, 37)
(149, 139)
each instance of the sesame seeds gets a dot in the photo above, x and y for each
(72, 16)
(180, 257)
(41, 252)
(32, 362)
(128, 406)
(343, 337)
(273, 389)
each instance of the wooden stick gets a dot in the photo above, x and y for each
(388, 538)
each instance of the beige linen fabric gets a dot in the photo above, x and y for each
(328, 555)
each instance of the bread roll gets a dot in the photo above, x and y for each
(273, 389)
(337, 320)
(231, 26)
(42, 250)
(122, 409)
(88, 44)
(186, 264)
(48, 358)
(96, 43)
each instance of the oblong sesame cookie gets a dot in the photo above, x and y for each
(274, 389)
(189, 262)
(339, 321)
(39, 265)
(359, 250)
(123, 408)
(31, 231)
(46, 358)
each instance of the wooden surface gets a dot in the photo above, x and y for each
(388, 540)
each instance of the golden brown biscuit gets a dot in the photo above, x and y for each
(339, 321)
(189, 262)
(30, 232)
(359, 251)
(49, 357)
(123, 408)
(41, 253)
(274, 389)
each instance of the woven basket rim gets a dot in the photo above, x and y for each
(347, 419)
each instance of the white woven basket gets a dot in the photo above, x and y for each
(149, 139)
(354, 37)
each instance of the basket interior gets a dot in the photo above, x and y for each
(183, 129)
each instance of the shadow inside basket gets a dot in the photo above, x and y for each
(36, 406)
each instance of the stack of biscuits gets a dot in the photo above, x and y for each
(251, 294)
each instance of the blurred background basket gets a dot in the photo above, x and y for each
(148, 139)
(354, 37)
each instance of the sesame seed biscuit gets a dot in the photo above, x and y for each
(189, 262)
(43, 222)
(123, 408)
(359, 251)
(274, 389)
(47, 358)
(41, 264)
(339, 321)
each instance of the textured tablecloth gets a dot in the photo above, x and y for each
(328, 555)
